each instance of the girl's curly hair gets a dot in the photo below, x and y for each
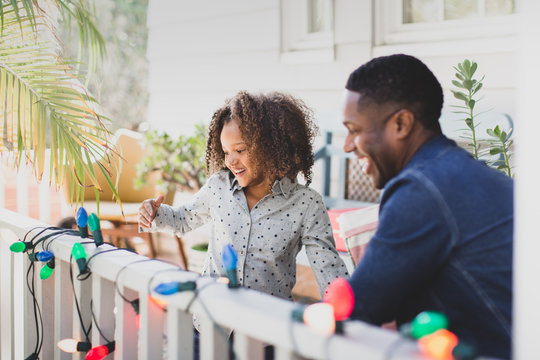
(277, 128)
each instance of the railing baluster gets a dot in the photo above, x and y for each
(180, 334)
(126, 326)
(44, 201)
(22, 191)
(63, 307)
(151, 331)
(83, 291)
(103, 307)
(246, 348)
(285, 354)
(23, 315)
(213, 340)
(7, 301)
(45, 295)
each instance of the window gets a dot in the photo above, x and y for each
(307, 30)
(420, 11)
(413, 21)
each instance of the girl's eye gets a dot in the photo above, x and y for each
(240, 151)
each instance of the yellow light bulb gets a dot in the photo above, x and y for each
(320, 318)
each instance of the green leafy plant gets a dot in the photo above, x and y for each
(468, 88)
(180, 161)
(500, 145)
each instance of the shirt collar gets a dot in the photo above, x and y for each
(283, 186)
(432, 148)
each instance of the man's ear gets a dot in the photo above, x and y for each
(403, 123)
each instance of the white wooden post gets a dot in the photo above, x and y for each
(246, 348)
(83, 291)
(45, 294)
(63, 307)
(22, 191)
(180, 334)
(527, 211)
(151, 331)
(126, 326)
(213, 341)
(103, 308)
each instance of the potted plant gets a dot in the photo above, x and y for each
(181, 164)
(499, 145)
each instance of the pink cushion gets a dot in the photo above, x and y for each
(333, 214)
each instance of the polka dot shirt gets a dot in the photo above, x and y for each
(266, 239)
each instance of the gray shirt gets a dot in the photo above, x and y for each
(266, 239)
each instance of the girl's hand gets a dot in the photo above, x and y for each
(148, 210)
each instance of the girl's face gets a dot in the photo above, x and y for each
(237, 157)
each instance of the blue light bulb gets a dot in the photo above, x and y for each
(229, 257)
(82, 217)
(173, 287)
(44, 256)
(167, 288)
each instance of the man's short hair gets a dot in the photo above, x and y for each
(403, 80)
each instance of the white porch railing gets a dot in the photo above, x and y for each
(256, 318)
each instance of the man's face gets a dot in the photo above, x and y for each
(370, 138)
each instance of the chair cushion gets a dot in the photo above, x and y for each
(357, 227)
(334, 214)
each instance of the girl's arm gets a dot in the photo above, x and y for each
(186, 217)
(320, 246)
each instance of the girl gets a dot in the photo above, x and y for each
(256, 147)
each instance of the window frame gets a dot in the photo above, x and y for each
(390, 29)
(298, 45)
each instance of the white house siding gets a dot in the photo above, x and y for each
(202, 52)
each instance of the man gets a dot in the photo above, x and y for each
(444, 241)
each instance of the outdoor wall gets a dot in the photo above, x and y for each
(202, 52)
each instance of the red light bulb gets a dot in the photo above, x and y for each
(339, 294)
(99, 352)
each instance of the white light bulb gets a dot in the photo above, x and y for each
(68, 345)
(320, 318)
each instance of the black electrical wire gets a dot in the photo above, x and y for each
(30, 283)
(38, 319)
(95, 322)
(86, 332)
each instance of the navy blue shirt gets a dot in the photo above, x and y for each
(444, 243)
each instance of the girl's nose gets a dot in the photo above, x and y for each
(231, 160)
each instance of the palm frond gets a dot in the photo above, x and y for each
(41, 101)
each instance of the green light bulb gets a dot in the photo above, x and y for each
(18, 247)
(78, 252)
(46, 271)
(79, 255)
(428, 322)
(93, 222)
